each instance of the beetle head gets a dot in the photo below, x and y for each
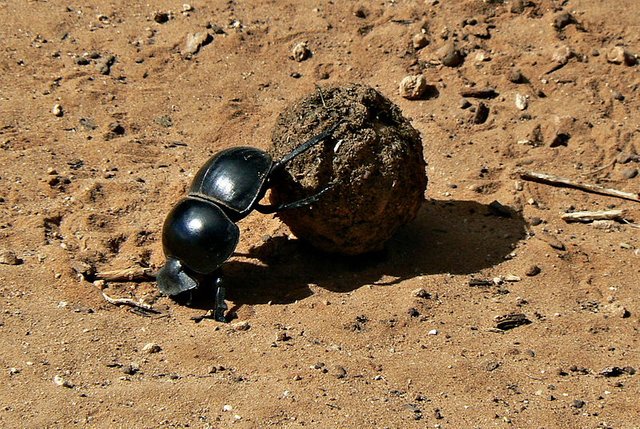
(173, 280)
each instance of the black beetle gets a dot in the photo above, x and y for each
(200, 232)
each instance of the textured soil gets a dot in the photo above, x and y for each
(488, 310)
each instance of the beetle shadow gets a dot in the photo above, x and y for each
(457, 237)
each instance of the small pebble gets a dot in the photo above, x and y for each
(360, 11)
(479, 92)
(340, 372)
(616, 310)
(511, 321)
(116, 128)
(241, 326)
(482, 56)
(578, 403)
(103, 65)
(629, 172)
(535, 221)
(450, 55)
(625, 157)
(57, 110)
(482, 114)
(58, 380)
(554, 242)
(492, 366)
(282, 336)
(9, 257)
(562, 55)
(516, 76)
(421, 293)
(617, 95)
(82, 61)
(161, 17)
(151, 348)
(227, 408)
(433, 332)
(619, 55)
(419, 41)
(518, 185)
(413, 87)
(301, 52)
(195, 41)
(533, 270)
(465, 104)
(562, 20)
(413, 312)
(517, 6)
(131, 368)
(88, 124)
(521, 102)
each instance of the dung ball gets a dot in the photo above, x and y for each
(371, 171)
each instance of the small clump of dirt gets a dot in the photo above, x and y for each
(372, 165)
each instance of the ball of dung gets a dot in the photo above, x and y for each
(371, 169)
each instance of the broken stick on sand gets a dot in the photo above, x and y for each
(561, 181)
(129, 302)
(134, 274)
(588, 216)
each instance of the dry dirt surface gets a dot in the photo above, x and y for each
(489, 310)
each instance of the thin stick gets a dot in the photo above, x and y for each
(133, 274)
(587, 187)
(604, 167)
(633, 225)
(587, 216)
(129, 302)
(321, 96)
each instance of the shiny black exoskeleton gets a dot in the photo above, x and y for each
(200, 232)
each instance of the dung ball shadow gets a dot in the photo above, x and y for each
(457, 237)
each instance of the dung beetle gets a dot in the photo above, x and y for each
(200, 232)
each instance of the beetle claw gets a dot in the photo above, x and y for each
(221, 306)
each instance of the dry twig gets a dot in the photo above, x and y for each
(588, 216)
(561, 181)
(133, 274)
(129, 302)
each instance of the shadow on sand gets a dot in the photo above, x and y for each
(457, 237)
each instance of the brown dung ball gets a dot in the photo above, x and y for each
(373, 165)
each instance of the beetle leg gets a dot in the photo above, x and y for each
(221, 306)
(270, 209)
(279, 165)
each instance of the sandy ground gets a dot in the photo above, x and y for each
(321, 341)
